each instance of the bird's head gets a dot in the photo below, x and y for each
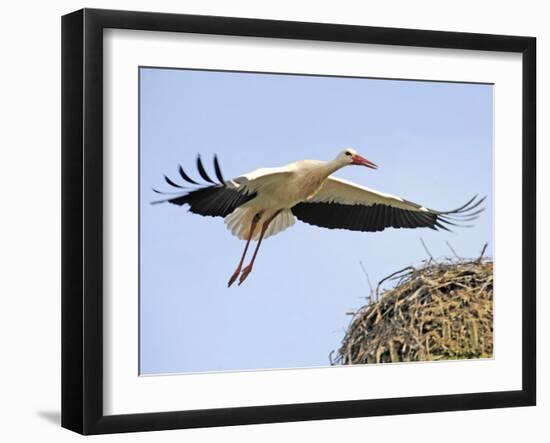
(350, 156)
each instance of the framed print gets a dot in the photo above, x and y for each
(269, 221)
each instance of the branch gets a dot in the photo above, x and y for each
(367, 277)
(453, 251)
(426, 249)
(482, 252)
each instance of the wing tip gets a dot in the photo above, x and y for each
(468, 212)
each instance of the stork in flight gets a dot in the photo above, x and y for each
(266, 201)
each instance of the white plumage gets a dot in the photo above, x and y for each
(239, 221)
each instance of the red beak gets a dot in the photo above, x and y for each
(358, 160)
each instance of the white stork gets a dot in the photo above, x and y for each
(272, 198)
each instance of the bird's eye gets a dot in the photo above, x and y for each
(348, 153)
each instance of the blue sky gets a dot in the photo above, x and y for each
(431, 140)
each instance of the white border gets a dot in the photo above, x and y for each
(125, 392)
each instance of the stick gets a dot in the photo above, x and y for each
(452, 250)
(426, 249)
(482, 252)
(367, 277)
(408, 268)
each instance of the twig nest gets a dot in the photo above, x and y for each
(441, 311)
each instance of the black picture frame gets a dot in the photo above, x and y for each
(82, 216)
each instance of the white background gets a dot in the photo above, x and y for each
(30, 222)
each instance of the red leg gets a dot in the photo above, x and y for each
(250, 234)
(248, 269)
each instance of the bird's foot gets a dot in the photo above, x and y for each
(234, 277)
(245, 273)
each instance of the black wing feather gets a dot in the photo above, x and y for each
(202, 171)
(377, 217)
(213, 201)
(171, 183)
(216, 200)
(218, 170)
(186, 177)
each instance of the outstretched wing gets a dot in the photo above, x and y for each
(220, 197)
(344, 205)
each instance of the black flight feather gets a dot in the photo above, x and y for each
(218, 170)
(202, 171)
(185, 176)
(217, 200)
(377, 217)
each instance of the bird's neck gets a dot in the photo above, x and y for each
(330, 167)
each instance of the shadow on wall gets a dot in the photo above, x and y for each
(54, 417)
